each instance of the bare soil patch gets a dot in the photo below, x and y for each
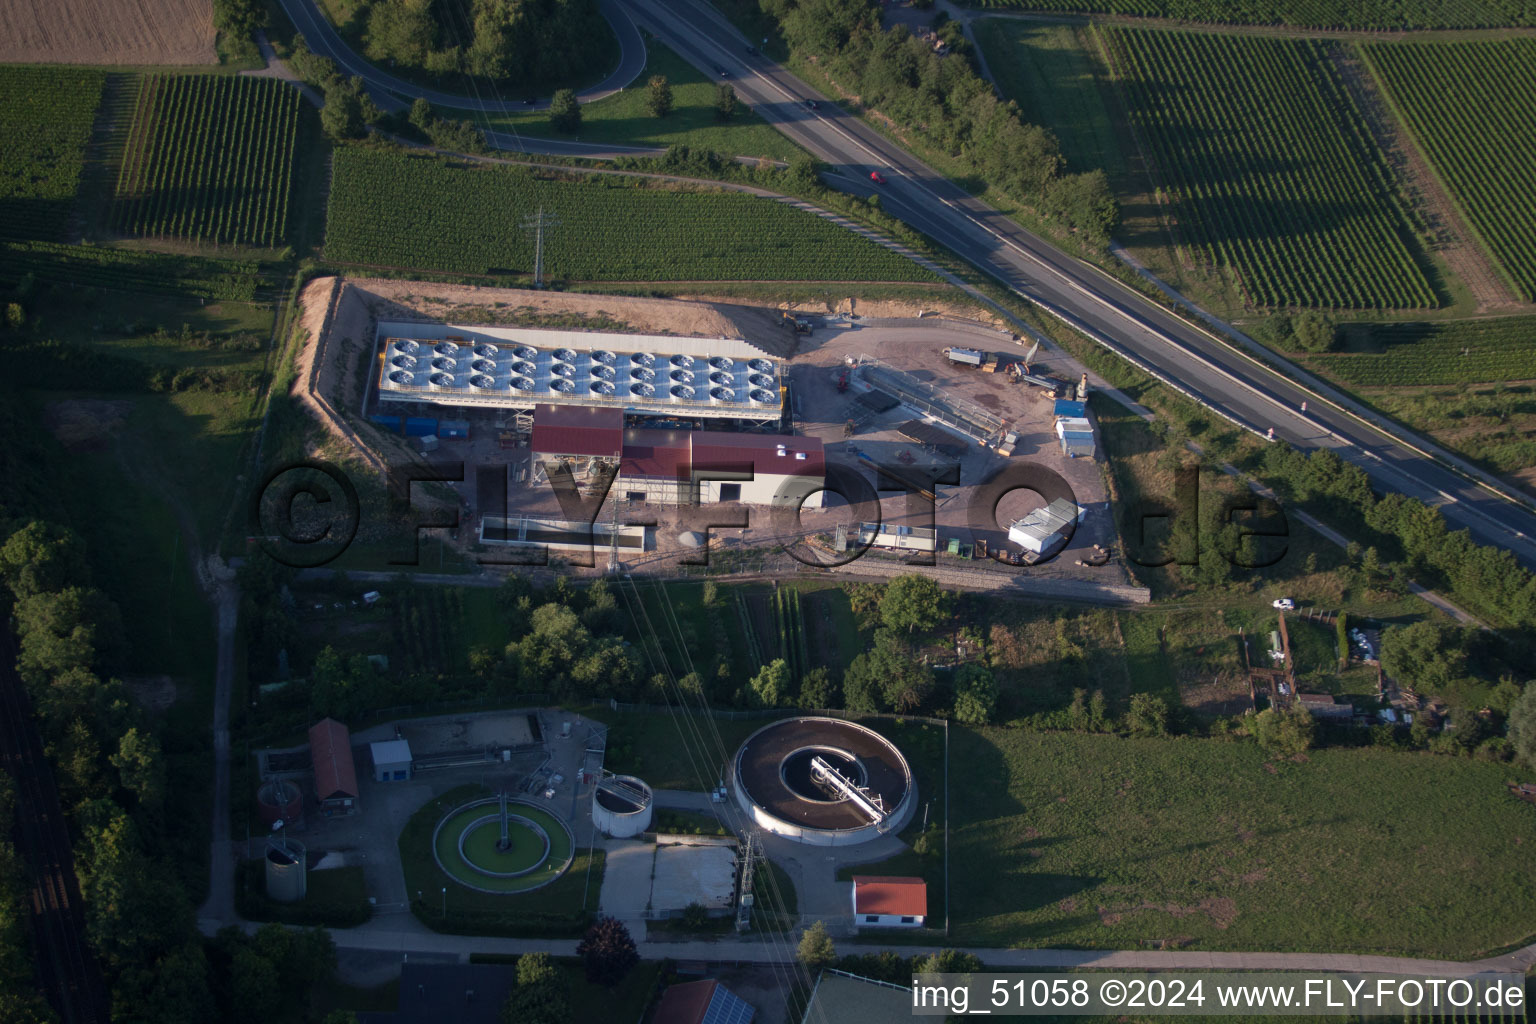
(86, 424)
(154, 694)
(107, 32)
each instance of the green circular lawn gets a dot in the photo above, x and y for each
(481, 845)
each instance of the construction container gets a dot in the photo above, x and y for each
(420, 426)
(388, 422)
(966, 357)
(453, 430)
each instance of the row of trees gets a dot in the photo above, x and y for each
(112, 783)
(1486, 579)
(945, 102)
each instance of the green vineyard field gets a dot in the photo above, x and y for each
(45, 122)
(1453, 352)
(389, 209)
(1270, 169)
(1469, 105)
(209, 159)
(130, 270)
(1337, 14)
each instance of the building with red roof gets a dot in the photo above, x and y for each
(889, 901)
(702, 1002)
(756, 469)
(330, 750)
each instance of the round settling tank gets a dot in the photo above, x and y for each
(621, 806)
(279, 801)
(287, 861)
(824, 782)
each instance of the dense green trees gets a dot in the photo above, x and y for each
(975, 694)
(540, 997)
(517, 43)
(1429, 656)
(565, 112)
(658, 96)
(887, 678)
(943, 101)
(1284, 733)
(607, 951)
(816, 950)
(725, 101)
(913, 602)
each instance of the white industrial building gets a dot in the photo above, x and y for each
(391, 760)
(1045, 529)
(513, 368)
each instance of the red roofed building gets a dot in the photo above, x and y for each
(581, 431)
(885, 901)
(330, 749)
(702, 1002)
(758, 469)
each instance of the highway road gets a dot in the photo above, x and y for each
(1231, 383)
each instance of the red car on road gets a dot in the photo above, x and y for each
(877, 177)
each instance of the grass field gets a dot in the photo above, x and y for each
(1045, 70)
(622, 119)
(1103, 843)
(1336, 14)
(209, 159)
(1461, 101)
(1269, 168)
(45, 119)
(1493, 426)
(396, 210)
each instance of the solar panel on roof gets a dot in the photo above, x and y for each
(728, 1008)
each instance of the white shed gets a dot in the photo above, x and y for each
(1044, 528)
(391, 760)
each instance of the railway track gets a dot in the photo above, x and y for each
(66, 969)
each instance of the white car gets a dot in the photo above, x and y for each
(1285, 604)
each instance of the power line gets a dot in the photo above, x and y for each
(538, 223)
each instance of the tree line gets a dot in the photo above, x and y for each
(942, 100)
(513, 43)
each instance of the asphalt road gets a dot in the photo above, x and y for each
(1234, 385)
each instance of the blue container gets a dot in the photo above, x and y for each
(453, 429)
(420, 426)
(392, 422)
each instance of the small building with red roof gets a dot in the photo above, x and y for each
(889, 901)
(330, 750)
